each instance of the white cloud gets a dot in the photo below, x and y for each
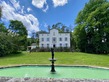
(15, 4)
(22, 10)
(40, 4)
(29, 9)
(45, 25)
(45, 9)
(59, 2)
(30, 22)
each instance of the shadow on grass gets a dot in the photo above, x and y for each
(94, 54)
(17, 54)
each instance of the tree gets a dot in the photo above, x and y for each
(8, 41)
(2, 28)
(8, 44)
(48, 28)
(18, 28)
(92, 31)
(0, 12)
(61, 27)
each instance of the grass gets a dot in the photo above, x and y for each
(66, 58)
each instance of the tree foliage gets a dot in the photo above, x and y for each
(2, 28)
(8, 41)
(8, 44)
(18, 28)
(61, 27)
(0, 12)
(92, 30)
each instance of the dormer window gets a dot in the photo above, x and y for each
(53, 33)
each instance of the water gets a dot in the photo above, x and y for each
(61, 72)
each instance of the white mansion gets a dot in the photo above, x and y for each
(54, 39)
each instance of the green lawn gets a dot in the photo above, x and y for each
(66, 58)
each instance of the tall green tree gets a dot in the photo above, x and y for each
(61, 27)
(18, 28)
(2, 28)
(8, 44)
(92, 30)
(0, 12)
(7, 40)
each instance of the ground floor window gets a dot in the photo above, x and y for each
(42, 45)
(60, 45)
(48, 45)
(66, 45)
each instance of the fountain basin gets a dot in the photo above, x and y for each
(52, 59)
(73, 72)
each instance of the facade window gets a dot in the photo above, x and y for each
(60, 45)
(65, 38)
(42, 45)
(53, 33)
(48, 45)
(47, 39)
(54, 39)
(60, 39)
(66, 45)
(42, 39)
(47, 34)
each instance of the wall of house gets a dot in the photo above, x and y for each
(53, 38)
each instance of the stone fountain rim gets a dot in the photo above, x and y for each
(12, 79)
(59, 65)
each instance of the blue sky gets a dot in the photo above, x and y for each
(38, 14)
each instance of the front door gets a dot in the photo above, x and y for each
(54, 45)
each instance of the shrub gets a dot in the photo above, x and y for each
(59, 49)
(7, 44)
(62, 49)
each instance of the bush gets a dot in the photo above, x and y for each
(43, 49)
(60, 49)
(7, 44)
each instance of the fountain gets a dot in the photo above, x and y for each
(68, 72)
(52, 61)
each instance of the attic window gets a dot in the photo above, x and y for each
(53, 33)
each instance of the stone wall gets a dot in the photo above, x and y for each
(9, 79)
